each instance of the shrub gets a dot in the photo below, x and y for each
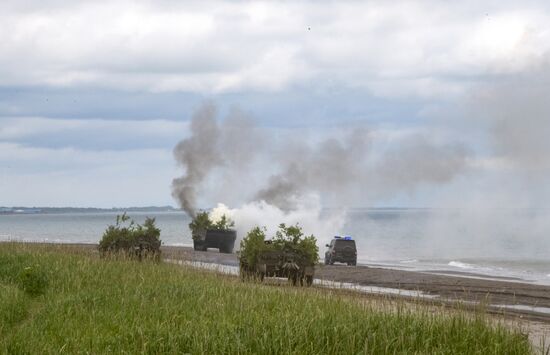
(133, 240)
(33, 280)
(252, 245)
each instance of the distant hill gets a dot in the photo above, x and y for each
(46, 210)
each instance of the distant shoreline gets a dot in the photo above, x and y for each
(57, 210)
(16, 210)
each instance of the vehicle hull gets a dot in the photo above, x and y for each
(221, 239)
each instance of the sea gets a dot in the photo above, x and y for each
(496, 244)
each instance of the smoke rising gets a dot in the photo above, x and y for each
(417, 161)
(329, 166)
(519, 115)
(229, 145)
(514, 112)
(198, 154)
(342, 168)
(308, 213)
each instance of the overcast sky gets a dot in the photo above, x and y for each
(95, 95)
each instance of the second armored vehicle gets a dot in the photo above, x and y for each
(222, 239)
(341, 249)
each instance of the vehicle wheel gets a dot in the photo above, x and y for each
(302, 279)
(293, 278)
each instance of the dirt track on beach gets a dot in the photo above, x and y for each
(446, 289)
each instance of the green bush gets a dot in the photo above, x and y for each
(252, 245)
(33, 280)
(132, 240)
(287, 238)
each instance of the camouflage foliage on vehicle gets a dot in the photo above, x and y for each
(202, 221)
(287, 238)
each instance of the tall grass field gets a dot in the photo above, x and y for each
(55, 300)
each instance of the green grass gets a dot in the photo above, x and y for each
(97, 306)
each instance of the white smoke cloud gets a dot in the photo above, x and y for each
(308, 213)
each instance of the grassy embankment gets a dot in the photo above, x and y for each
(96, 306)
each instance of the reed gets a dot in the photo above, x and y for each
(93, 305)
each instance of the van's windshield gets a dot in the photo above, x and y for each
(343, 243)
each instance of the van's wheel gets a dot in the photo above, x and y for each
(200, 247)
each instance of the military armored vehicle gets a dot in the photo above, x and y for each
(222, 239)
(208, 234)
(341, 249)
(290, 254)
(279, 263)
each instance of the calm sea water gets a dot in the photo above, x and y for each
(502, 243)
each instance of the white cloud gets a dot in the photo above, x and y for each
(91, 162)
(98, 134)
(394, 48)
(44, 176)
(423, 51)
(18, 127)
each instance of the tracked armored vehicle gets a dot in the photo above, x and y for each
(222, 239)
(290, 254)
(279, 263)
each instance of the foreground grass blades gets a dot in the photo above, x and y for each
(100, 306)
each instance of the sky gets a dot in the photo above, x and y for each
(94, 96)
